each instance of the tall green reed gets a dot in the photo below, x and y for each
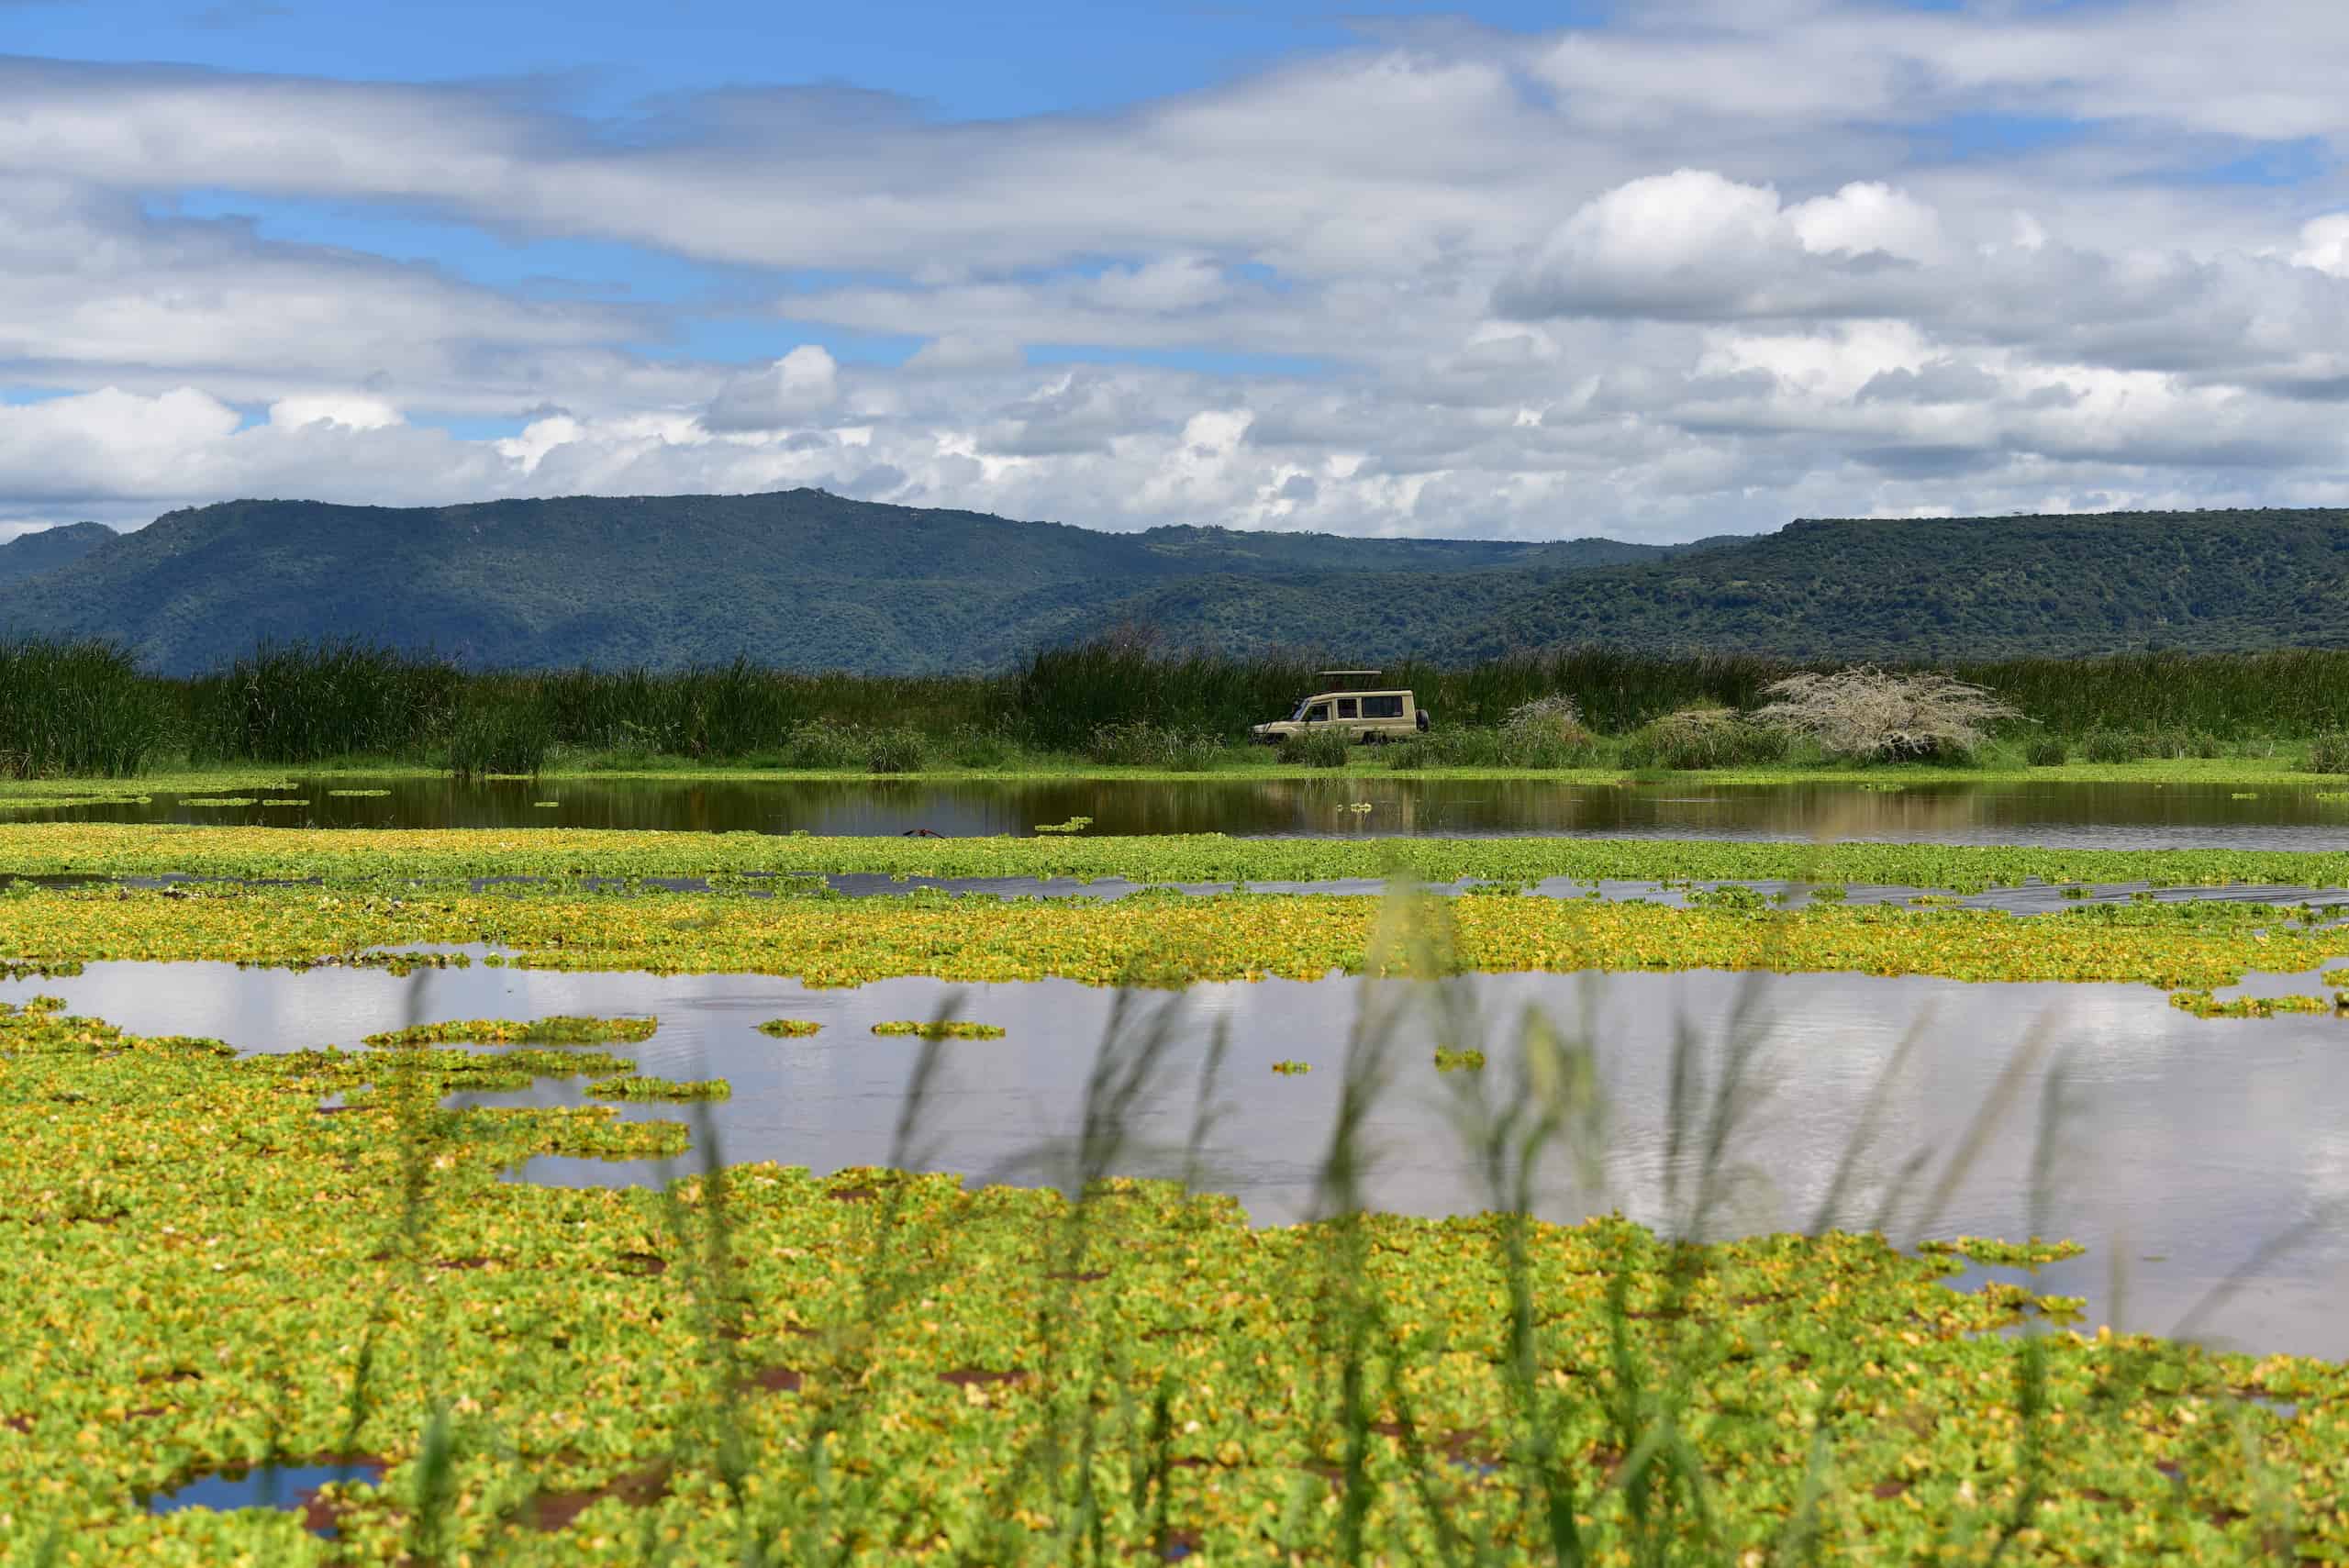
(306, 702)
(82, 707)
(76, 708)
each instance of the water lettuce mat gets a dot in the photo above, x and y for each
(402, 856)
(1151, 937)
(204, 1273)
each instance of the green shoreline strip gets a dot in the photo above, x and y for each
(362, 856)
(1167, 940)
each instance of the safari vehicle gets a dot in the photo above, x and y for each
(1368, 714)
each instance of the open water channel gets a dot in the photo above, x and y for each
(2181, 1145)
(2051, 812)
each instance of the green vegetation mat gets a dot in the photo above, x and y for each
(558, 1030)
(1154, 939)
(397, 856)
(204, 1273)
(634, 1086)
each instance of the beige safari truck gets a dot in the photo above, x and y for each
(1366, 714)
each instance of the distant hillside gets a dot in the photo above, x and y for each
(28, 555)
(806, 579)
(1907, 589)
(796, 578)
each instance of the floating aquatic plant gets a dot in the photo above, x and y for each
(2202, 1005)
(1074, 825)
(563, 1029)
(2008, 1254)
(1163, 939)
(906, 1358)
(1291, 1069)
(405, 857)
(790, 1028)
(941, 1028)
(637, 1087)
(1451, 1059)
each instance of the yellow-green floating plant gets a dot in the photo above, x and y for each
(562, 1029)
(2028, 1255)
(948, 1029)
(1291, 1069)
(638, 1087)
(790, 1028)
(401, 857)
(2202, 1005)
(1147, 939)
(229, 1269)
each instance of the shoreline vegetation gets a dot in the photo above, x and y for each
(1165, 942)
(738, 861)
(1119, 708)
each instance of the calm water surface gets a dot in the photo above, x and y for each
(2184, 1143)
(2079, 814)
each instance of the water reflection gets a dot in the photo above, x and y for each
(291, 1486)
(2030, 812)
(2191, 1140)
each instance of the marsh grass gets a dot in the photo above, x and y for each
(299, 703)
(1139, 743)
(488, 739)
(1318, 749)
(78, 708)
(84, 708)
(1702, 736)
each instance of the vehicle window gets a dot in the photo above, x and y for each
(1346, 709)
(1318, 713)
(1383, 707)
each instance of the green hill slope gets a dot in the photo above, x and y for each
(1907, 589)
(806, 579)
(795, 578)
(30, 555)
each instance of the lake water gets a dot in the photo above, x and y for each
(2291, 817)
(2183, 1144)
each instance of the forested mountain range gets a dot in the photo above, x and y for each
(808, 579)
(30, 555)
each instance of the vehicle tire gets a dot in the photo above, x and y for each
(1425, 722)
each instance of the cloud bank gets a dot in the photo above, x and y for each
(1704, 271)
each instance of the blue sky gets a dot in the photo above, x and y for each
(1528, 268)
(961, 60)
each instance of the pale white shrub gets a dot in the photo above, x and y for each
(1872, 715)
(1556, 717)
